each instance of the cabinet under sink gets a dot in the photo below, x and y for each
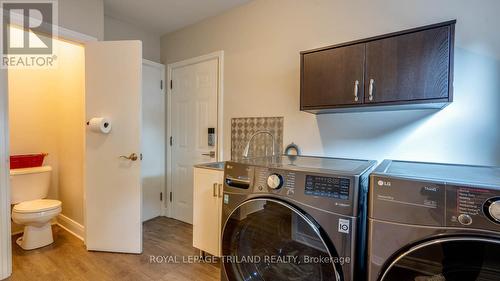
(207, 207)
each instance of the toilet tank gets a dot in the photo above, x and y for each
(29, 183)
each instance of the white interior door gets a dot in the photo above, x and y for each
(194, 110)
(113, 194)
(153, 139)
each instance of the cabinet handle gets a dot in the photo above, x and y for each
(356, 88)
(370, 90)
(220, 190)
(214, 189)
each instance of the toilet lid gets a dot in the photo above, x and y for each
(39, 205)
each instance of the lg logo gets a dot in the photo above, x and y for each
(383, 183)
(27, 27)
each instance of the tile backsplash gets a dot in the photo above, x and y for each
(243, 128)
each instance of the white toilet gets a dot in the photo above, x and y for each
(28, 188)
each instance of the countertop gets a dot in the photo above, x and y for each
(219, 166)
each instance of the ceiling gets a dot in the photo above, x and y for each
(165, 16)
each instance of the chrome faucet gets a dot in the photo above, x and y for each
(247, 147)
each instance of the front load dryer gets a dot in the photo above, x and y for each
(434, 222)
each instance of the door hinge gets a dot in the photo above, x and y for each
(161, 196)
(170, 196)
(171, 140)
(161, 84)
(171, 84)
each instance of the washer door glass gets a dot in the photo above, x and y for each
(266, 239)
(448, 259)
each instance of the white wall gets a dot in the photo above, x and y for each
(32, 115)
(70, 91)
(83, 16)
(115, 29)
(262, 41)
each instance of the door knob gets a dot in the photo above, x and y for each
(132, 157)
(211, 154)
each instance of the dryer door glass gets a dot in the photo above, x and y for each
(266, 239)
(448, 259)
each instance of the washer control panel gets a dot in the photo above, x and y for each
(274, 180)
(329, 192)
(331, 187)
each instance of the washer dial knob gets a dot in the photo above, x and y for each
(275, 181)
(492, 209)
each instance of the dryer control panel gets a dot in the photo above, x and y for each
(428, 203)
(435, 194)
(473, 207)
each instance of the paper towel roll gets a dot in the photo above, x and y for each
(99, 125)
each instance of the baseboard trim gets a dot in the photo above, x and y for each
(71, 226)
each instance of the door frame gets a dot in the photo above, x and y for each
(5, 224)
(5, 216)
(219, 55)
(164, 91)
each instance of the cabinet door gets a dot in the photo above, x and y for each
(207, 198)
(409, 67)
(329, 77)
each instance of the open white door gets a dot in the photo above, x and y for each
(153, 139)
(113, 195)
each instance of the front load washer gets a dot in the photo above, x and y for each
(294, 218)
(434, 222)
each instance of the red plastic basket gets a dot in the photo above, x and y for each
(27, 160)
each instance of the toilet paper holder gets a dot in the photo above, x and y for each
(105, 124)
(99, 125)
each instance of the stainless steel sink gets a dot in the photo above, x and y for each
(213, 166)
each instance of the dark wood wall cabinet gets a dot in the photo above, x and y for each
(411, 69)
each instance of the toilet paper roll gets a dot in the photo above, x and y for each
(99, 125)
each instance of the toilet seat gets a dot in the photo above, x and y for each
(36, 206)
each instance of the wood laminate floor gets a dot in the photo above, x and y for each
(67, 258)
